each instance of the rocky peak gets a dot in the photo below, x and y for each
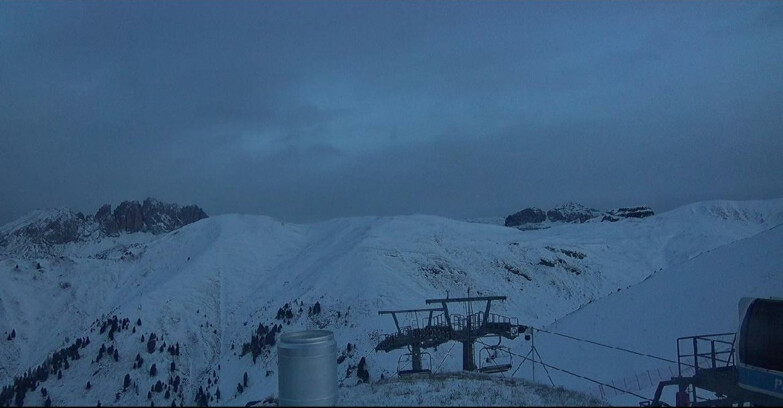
(37, 233)
(530, 215)
(573, 213)
(628, 212)
(150, 216)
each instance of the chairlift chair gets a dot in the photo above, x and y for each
(494, 359)
(406, 360)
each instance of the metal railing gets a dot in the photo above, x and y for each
(496, 318)
(708, 351)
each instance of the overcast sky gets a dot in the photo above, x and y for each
(307, 111)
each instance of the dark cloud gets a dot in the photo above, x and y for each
(312, 110)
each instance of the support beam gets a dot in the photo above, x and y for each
(467, 356)
(426, 309)
(416, 357)
(465, 299)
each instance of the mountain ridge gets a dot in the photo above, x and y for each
(207, 284)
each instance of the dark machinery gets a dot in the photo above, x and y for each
(444, 326)
(736, 368)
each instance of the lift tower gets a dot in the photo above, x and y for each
(446, 326)
(415, 338)
(467, 329)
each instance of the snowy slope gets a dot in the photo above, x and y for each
(697, 297)
(210, 284)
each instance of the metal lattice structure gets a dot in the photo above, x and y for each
(442, 326)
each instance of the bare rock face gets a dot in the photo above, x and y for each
(530, 215)
(129, 217)
(106, 221)
(151, 216)
(190, 214)
(628, 212)
(572, 213)
(39, 232)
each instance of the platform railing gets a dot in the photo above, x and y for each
(705, 351)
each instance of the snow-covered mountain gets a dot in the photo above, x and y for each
(224, 287)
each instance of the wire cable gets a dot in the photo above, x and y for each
(611, 347)
(584, 378)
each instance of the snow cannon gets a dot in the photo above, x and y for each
(307, 369)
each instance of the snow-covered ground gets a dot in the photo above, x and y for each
(208, 286)
(697, 297)
(459, 389)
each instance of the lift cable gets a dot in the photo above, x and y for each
(612, 347)
(582, 377)
(448, 353)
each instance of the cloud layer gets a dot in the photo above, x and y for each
(308, 111)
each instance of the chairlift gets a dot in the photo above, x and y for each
(494, 359)
(406, 360)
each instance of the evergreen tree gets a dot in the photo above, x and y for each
(244, 379)
(153, 370)
(173, 366)
(20, 393)
(48, 402)
(126, 382)
(138, 322)
(362, 372)
(88, 385)
(116, 355)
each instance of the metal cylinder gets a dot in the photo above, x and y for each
(307, 369)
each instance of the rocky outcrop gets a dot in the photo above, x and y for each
(628, 212)
(36, 234)
(572, 213)
(151, 216)
(129, 217)
(530, 215)
(106, 221)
